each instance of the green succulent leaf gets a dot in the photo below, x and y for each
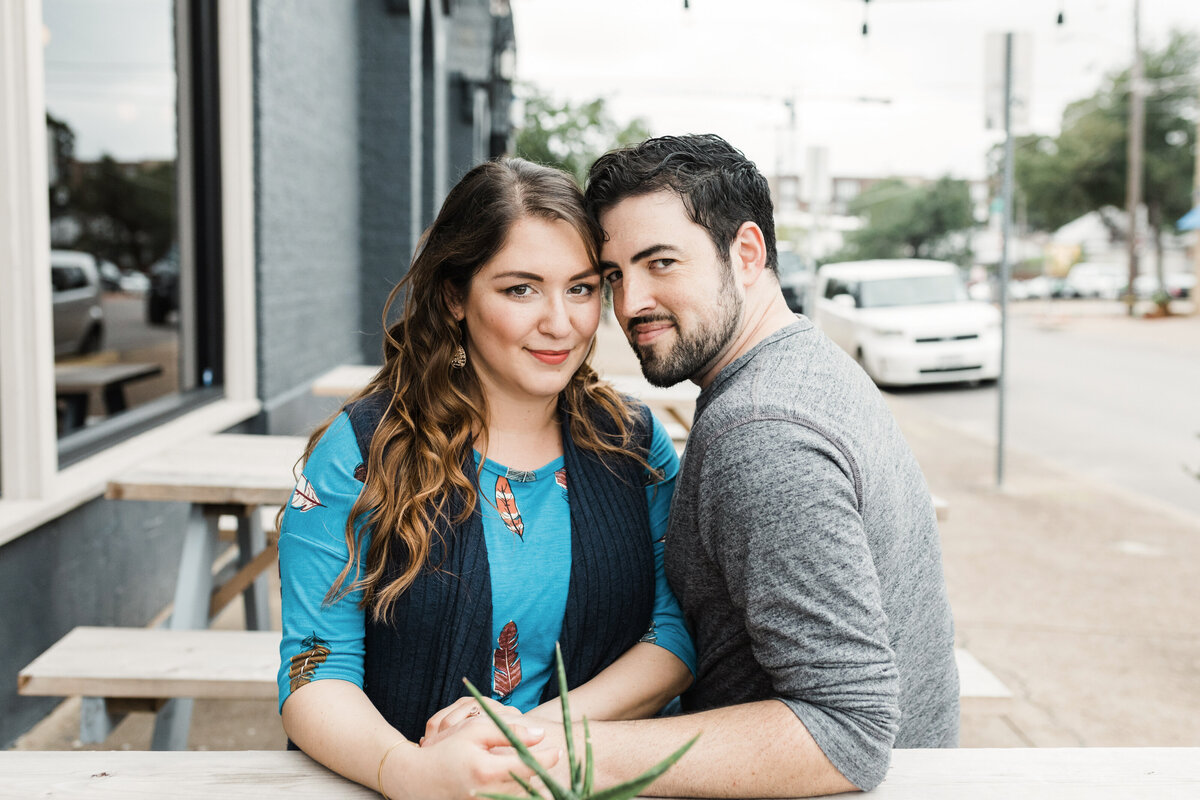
(522, 751)
(624, 791)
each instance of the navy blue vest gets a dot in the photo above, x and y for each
(441, 627)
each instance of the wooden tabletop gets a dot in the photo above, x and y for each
(344, 381)
(1030, 774)
(71, 379)
(238, 469)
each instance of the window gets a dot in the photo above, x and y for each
(125, 329)
(92, 208)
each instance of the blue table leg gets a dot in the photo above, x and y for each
(252, 540)
(192, 592)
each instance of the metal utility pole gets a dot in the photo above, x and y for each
(1005, 266)
(1196, 242)
(1137, 133)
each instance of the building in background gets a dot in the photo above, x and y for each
(251, 179)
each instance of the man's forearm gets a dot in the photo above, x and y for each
(752, 750)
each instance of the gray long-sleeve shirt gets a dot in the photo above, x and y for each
(804, 550)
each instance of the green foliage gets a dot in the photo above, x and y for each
(569, 135)
(1084, 168)
(582, 772)
(905, 221)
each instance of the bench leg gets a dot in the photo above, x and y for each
(251, 541)
(95, 721)
(192, 592)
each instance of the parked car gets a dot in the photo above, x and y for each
(134, 282)
(908, 321)
(1177, 285)
(1099, 280)
(795, 279)
(162, 296)
(110, 275)
(75, 290)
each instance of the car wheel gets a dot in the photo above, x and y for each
(92, 340)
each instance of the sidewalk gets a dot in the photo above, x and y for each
(1077, 595)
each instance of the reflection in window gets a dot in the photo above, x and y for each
(112, 144)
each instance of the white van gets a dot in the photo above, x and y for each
(908, 321)
(78, 315)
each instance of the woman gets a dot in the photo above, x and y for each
(482, 498)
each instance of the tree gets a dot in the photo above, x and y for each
(569, 135)
(1084, 168)
(906, 221)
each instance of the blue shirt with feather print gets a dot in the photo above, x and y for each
(526, 524)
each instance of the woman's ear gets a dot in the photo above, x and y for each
(453, 300)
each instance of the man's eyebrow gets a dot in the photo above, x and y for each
(653, 250)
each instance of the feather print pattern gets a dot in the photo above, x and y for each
(305, 497)
(506, 504)
(304, 664)
(506, 662)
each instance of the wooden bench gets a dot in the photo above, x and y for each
(119, 670)
(74, 384)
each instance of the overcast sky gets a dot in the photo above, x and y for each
(726, 66)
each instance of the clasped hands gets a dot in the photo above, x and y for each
(464, 753)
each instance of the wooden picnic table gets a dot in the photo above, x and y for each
(1107, 773)
(74, 384)
(218, 474)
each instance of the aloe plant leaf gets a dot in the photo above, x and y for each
(589, 768)
(504, 796)
(522, 751)
(624, 791)
(568, 733)
(526, 785)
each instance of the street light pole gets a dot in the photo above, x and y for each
(1137, 131)
(1005, 266)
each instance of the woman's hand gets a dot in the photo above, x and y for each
(470, 758)
(463, 708)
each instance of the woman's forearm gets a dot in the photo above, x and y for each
(336, 724)
(636, 685)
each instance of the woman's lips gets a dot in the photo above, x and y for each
(551, 357)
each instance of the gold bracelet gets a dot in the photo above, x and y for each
(379, 772)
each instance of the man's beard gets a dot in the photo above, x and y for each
(693, 351)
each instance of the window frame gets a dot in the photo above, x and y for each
(39, 490)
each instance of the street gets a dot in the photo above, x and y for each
(1112, 398)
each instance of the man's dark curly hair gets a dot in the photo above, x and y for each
(719, 186)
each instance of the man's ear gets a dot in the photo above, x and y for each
(749, 253)
(453, 300)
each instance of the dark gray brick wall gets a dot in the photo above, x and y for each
(307, 193)
(385, 172)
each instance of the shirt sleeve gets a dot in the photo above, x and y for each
(667, 628)
(784, 526)
(320, 640)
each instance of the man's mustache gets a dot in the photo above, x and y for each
(635, 321)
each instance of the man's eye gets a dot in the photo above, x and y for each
(660, 263)
(612, 277)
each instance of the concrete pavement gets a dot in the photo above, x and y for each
(1079, 595)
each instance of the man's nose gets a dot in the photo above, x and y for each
(632, 296)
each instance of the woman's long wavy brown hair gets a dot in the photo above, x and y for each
(415, 470)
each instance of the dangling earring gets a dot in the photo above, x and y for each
(460, 358)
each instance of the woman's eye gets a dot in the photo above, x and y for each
(520, 290)
(582, 289)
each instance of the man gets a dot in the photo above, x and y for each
(802, 544)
